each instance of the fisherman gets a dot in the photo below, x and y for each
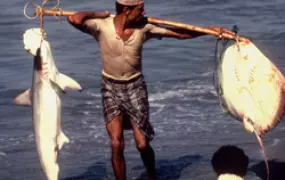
(124, 92)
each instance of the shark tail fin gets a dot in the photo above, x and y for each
(24, 99)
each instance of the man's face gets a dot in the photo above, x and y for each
(137, 13)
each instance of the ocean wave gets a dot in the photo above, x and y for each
(3, 154)
(168, 94)
(98, 95)
(193, 89)
(278, 36)
(157, 108)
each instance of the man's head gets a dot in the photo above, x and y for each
(132, 9)
(230, 160)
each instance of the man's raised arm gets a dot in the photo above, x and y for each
(78, 19)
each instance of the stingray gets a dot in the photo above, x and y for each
(251, 89)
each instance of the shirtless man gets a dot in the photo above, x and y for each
(124, 92)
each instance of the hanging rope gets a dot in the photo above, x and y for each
(39, 13)
(221, 45)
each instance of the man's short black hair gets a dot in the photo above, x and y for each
(230, 160)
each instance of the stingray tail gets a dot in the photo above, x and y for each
(263, 152)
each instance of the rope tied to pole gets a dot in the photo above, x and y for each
(39, 13)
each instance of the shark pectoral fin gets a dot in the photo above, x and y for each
(24, 99)
(61, 140)
(56, 87)
(67, 82)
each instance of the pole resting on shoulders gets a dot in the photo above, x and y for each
(55, 11)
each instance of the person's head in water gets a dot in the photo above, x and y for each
(230, 160)
(132, 9)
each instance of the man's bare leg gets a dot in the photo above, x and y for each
(115, 131)
(146, 151)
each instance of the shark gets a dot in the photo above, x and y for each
(44, 97)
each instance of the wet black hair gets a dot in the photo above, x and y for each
(230, 160)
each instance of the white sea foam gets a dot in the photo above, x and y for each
(160, 108)
(275, 142)
(89, 102)
(86, 113)
(93, 94)
(192, 89)
(167, 94)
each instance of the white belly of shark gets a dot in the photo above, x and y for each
(48, 134)
(44, 98)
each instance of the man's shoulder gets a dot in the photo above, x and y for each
(109, 18)
(100, 20)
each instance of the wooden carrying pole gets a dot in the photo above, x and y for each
(153, 20)
(195, 28)
(47, 12)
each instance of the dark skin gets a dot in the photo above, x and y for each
(130, 19)
(78, 20)
(115, 131)
(125, 23)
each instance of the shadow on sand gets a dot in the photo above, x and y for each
(276, 163)
(170, 169)
(276, 170)
(95, 172)
(166, 169)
